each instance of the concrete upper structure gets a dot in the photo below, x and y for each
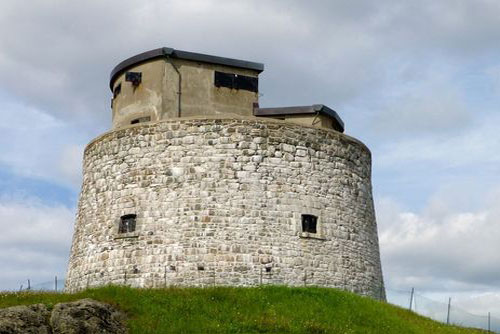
(166, 83)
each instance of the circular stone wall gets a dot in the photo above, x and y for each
(220, 202)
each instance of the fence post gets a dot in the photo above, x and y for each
(260, 274)
(489, 319)
(448, 316)
(165, 277)
(29, 284)
(411, 297)
(55, 284)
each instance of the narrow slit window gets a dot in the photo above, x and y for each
(117, 90)
(127, 223)
(309, 223)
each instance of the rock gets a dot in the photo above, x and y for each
(86, 316)
(30, 319)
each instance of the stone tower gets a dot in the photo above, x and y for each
(195, 184)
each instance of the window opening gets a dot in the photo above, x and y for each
(309, 223)
(134, 77)
(127, 223)
(236, 81)
(117, 90)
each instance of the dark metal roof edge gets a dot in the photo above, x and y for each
(284, 110)
(179, 54)
(296, 110)
(330, 112)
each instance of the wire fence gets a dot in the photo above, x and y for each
(55, 285)
(442, 311)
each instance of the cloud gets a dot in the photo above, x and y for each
(473, 147)
(329, 52)
(440, 248)
(430, 104)
(70, 165)
(31, 145)
(35, 241)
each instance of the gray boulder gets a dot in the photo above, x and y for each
(26, 319)
(86, 316)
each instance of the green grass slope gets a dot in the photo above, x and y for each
(268, 309)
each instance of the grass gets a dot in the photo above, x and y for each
(269, 309)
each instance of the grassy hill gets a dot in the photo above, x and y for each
(269, 309)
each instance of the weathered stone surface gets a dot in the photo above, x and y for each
(219, 202)
(26, 319)
(86, 316)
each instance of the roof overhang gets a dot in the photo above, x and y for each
(179, 54)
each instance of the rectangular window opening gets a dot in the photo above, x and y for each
(134, 77)
(309, 223)
(127, 223)
(236, 81)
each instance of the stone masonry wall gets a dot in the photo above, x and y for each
(219, 201)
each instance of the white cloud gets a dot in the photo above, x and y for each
(440, 248)
(35, 241)
(474, 147)
(31, 145)
(70, 165)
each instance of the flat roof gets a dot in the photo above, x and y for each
(179, 54)
(301, 110)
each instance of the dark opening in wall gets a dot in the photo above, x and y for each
(201, 267)
(127, 223)
(309, 223)
(141, 120)
(117, 90)
(134, 77)
(236, 81)
(268, 269)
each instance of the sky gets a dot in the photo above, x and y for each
(417, 81)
